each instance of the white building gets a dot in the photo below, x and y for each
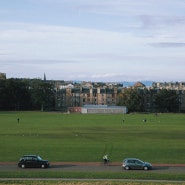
(103, 109)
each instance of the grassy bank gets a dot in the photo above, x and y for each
(83, 138)
(86, 183)
(93, 175)
(78, 137)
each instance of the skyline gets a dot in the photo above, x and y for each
(99, 40)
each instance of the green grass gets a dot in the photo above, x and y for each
(78, 137)
(82, 137)
(63, 182)
(93, 175)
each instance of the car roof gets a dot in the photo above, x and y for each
(131, 159)
(30, 155)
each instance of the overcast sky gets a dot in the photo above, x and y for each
(93, 40)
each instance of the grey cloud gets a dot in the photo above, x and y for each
(149, 21)
(127, 7)
(168, 44)
(37, 62)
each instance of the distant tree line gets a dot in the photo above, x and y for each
(162, 100)
(16, 94)
(36, 94)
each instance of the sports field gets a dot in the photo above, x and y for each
(82, 137)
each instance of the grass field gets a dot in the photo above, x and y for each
(82, 137)
(86, 183)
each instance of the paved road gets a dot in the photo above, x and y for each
(90, 180)
(96, 167)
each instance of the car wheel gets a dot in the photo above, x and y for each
(127, 168)
(22, 165)
(145, 168)
(43, 166)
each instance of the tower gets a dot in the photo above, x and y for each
(44, 77)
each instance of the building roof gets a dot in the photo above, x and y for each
(139, 84)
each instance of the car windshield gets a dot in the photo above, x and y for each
(39, 158)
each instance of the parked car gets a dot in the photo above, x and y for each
(136, 164)
(32, 161)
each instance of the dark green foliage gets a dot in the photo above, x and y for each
(132, 99)
(166, 101)
(42, 95)
(20, 94)
(14, 95)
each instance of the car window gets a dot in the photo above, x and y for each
(39, 158)
(138, 162)
(130, 161)
(27, 158)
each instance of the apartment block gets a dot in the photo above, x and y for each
(80, 96)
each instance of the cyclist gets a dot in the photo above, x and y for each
(105, 159)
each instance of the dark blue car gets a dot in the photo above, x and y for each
(32, 161)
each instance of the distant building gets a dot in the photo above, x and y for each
(103, 109)
(74, 109)
(169, 85)
(2, 76)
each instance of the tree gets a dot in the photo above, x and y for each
(42, 95)
(14, 94)
(132, 99)
(166, 101)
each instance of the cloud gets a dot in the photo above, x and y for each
(99, 39)
(36, 41)
(127, 7)
(168, 44)
(3, 53)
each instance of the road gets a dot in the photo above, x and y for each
(92, 180)
(95, 167)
